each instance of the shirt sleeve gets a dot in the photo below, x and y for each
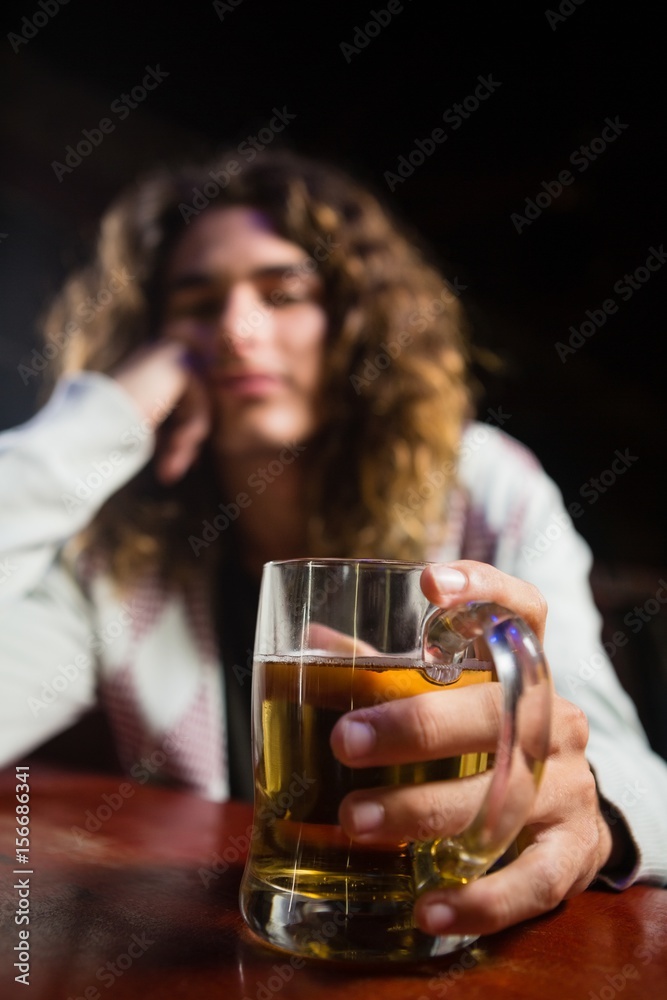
(537, 542)
(56, 471)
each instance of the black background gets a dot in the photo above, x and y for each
(558, 84)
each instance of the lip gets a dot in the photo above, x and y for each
(247, 383)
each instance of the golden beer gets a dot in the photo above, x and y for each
(301, 861)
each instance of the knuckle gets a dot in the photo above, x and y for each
(570, 726)
(577, 727)
(587, 866)
(549, 894)
(425, 725)
(434, 813)
(550, 883)
(491, 707)
(499, 910)
(538, 603)
(589, 788)
(581, 884)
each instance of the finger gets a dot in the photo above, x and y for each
(155, 376)
(538, 880)
(330, 640)
(450, 584)
(434, 809)
(181, 451)
(422, 727)
(183, 439)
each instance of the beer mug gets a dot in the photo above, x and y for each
(335, 635)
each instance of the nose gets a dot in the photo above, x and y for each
(244, 319)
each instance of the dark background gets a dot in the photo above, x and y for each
(559, 82)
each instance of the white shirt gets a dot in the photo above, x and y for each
(69, 640)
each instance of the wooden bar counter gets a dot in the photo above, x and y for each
(130, 890)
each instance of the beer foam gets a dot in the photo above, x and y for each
(324, 658)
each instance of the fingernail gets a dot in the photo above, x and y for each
(448, 579)
(358, 738)
(438, 917)
(367, 816)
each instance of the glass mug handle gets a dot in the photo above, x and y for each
(522, 671)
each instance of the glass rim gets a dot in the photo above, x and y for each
(344, 561)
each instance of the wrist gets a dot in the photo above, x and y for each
(155, 378)
(620, 852)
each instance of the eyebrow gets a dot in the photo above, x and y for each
(203, 280)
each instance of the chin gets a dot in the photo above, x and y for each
(250, 441)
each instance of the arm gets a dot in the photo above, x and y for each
(537, 542)
(58, 469)
(631, 779)
(568, 839)
(55, 473)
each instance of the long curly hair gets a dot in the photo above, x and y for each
(396, 389)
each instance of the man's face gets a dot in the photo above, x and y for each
(241, 298)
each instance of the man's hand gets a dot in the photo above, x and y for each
(566, 840)
(161, 382)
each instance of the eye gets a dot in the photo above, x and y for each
(206, 310)
(196, 308)
(279, 298)
(288, 291)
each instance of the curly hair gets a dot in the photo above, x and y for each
(396, 389)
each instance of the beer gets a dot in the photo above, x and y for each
(334, 635)
(302, 865)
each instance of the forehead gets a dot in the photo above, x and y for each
(233, 240)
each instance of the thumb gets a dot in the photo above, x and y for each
(451, 584)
